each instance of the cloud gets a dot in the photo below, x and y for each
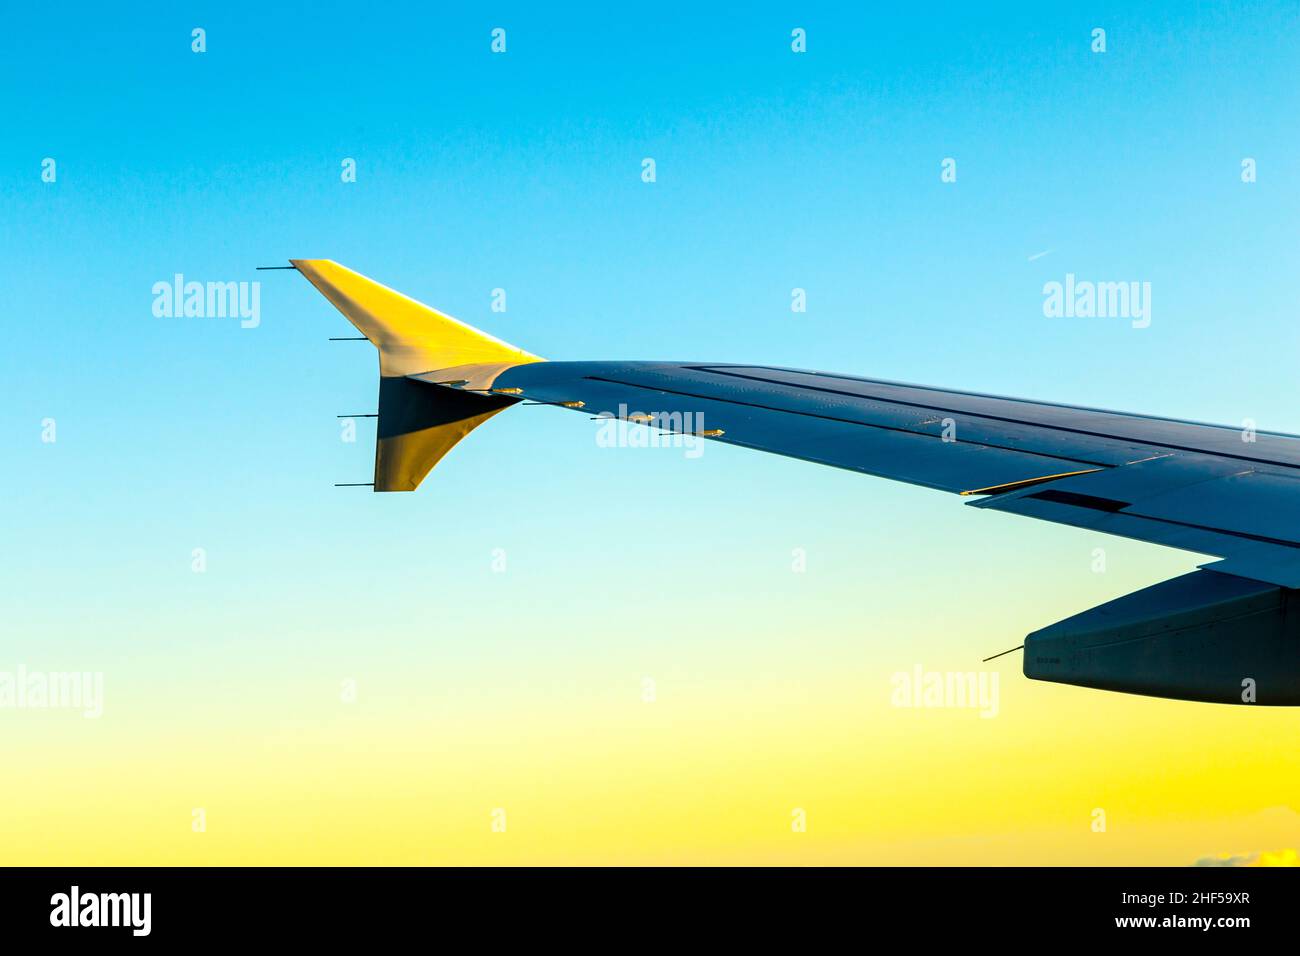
(1258, 858)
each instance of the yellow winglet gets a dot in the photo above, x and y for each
(418, 422)
(410, 336)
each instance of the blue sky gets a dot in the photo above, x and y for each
(522, 171)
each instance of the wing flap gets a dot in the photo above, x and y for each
(1196, 503)
(1260, 505)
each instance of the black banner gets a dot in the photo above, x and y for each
(1227, 905)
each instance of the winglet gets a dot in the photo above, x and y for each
(410, 336)
(418, 422)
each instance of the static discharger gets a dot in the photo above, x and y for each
(508, 391)
(712, 433)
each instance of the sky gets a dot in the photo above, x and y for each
(561, 653)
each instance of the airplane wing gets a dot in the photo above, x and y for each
(1227, 492)
(1215, 490)
(1204, 488)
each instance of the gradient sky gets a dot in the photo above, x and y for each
(523, 690)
